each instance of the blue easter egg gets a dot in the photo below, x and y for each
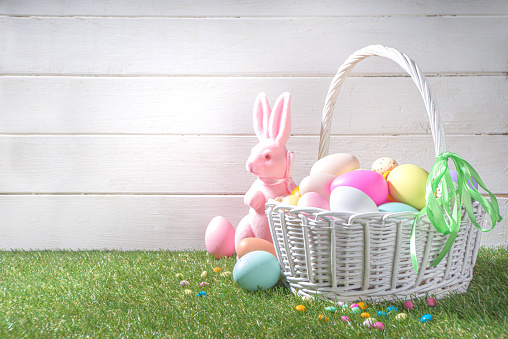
(425, 318)
(257, 269)
(382, 314)
(392, 308)
(395, 207)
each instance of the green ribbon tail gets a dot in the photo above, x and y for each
(444, 220)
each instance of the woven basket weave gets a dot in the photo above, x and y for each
(345, 256)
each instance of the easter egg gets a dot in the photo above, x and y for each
(352, 200)
(319, 183)
(383, 165)
(431, 302)
(258, 269)
(335, 164)
(296, 192)
(379, 326)
(472, 183)
(382, 314)
(301, 308)
(220, 238)
(291, 200)
(401, 316)
(425, 318)
(395, 207)
(313, 199)
(369, 182)
(248, 245)
(408, 305)
(331, 309)
(407, 184)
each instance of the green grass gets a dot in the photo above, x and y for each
(103, 294)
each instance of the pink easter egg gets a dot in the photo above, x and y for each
(371, 183)
(313, 199)
(220, 238)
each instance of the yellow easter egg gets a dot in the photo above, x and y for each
(296, 192)
(291, 200)
(407, 184)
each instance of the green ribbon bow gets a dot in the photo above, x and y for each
(445, 212)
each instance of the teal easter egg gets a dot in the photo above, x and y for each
(395, 207)
(257, 269)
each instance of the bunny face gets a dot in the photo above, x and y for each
(268, 160)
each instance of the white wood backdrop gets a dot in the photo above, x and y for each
(126, 124)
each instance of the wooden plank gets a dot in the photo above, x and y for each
(206, 164)
(299, 47)
(131, 222)
(112, 222)
(252, 8)
(158, 105)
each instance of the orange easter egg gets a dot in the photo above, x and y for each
(248, 245)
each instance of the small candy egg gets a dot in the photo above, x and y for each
(379, 326)
(392, 309)
(425, 318)
(353, 305)
(217, 270)
(184, 283)
(301, 308)
(225, 274)
(204, 283)
(368, 322)
(408, 305)
(370, 183)
(345, 305)
(204, 274)
(407, 184)
(291, 200)
(188, 292)
(365, 315)
(202, 294)
(335, 164)
(313, 199)
(323, 317)
(345, 318)
(248, 245)
(331, 309)
(384, 164)
(362, 305)
(308, 299)
(382, 314)
(431, 302)
(401, 316)
(356, 310)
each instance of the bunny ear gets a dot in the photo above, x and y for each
(262, 113)
(280, 120)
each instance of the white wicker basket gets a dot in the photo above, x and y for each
(344, 256)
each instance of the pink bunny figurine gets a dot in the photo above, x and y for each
(271, 162)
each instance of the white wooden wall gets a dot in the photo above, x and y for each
(126, 124)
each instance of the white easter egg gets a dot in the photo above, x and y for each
(319, 183)
(336, 164)
(350, 199)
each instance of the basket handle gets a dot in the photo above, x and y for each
(409, 66)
